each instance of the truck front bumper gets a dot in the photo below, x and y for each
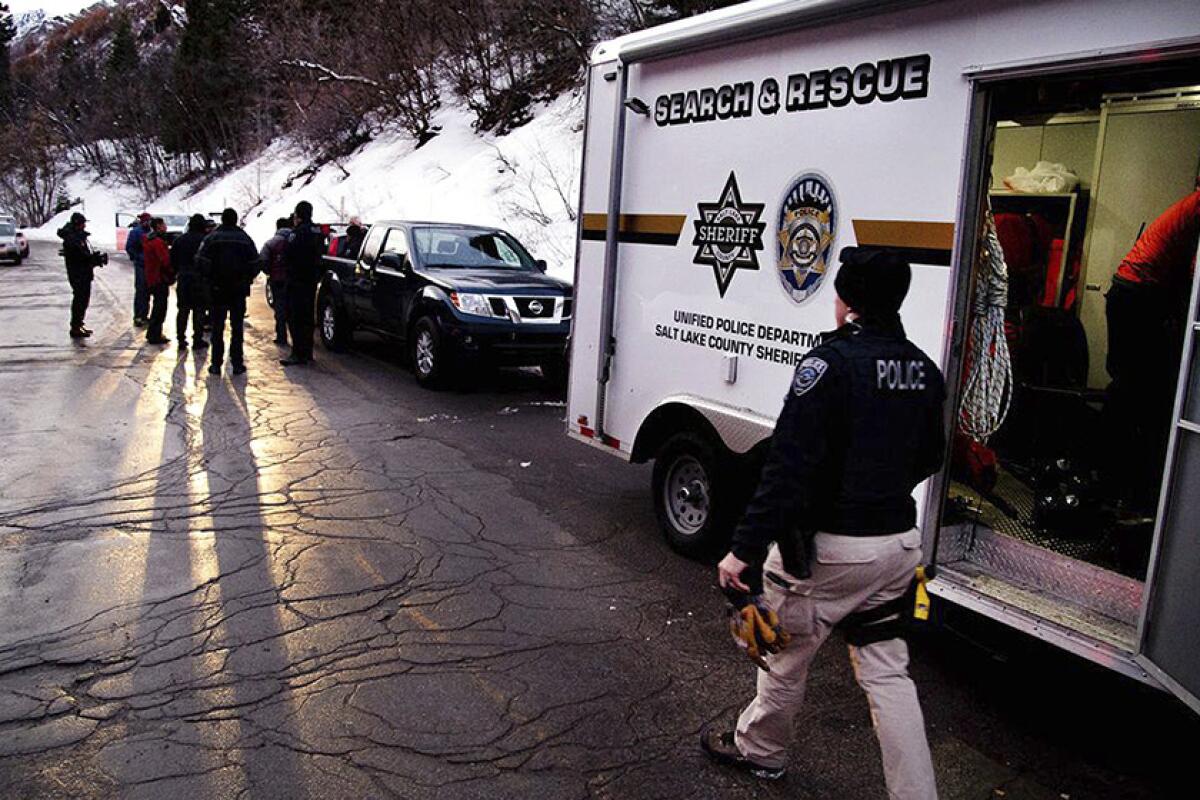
(508, 344)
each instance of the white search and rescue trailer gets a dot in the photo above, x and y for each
(729, 157)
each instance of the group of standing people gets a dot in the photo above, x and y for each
(212, 267)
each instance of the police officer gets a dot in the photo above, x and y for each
(831, 526)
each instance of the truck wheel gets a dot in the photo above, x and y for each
(428, 354)
(335, 328)
(695, 495)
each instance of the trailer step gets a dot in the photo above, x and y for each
(1096, 602)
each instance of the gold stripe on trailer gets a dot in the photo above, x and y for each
(661, 229)
(919, 242)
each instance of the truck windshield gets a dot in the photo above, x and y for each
(175, 220)
(7, 229)
(470, 248)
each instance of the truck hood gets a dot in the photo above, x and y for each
(502, 281)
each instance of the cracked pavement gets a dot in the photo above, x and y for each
(331, 583)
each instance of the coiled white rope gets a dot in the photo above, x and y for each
(988, 391)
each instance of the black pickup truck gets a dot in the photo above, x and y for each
(458, 296)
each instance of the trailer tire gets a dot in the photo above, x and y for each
(696, 496)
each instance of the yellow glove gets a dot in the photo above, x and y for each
(921, 599)
(756, 629)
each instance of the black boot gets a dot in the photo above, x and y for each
(721, 747)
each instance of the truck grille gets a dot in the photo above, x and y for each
(535, 307)
(498, 307)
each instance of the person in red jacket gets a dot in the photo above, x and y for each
(159, 277)
(1146, 309)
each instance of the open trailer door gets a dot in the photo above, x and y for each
(1170, 626)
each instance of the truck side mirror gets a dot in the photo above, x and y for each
(394, 262)
(540, 264)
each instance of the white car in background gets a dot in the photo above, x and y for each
(10, 246)
(125, 220)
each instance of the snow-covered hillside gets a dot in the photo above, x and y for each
(526, 182)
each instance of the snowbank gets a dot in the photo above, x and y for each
(101, 201)
(526, 182)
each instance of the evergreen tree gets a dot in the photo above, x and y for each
(212, 82)
(122, 53)
(8, 32)
(120, 74)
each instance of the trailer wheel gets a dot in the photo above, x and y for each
(695, 495)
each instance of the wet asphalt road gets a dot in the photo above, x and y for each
(331, 583)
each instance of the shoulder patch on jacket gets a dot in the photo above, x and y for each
(808, 374)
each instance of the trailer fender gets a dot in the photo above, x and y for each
(738, 429)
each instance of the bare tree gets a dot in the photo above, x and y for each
(31, 170)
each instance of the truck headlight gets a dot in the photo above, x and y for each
(475, 304)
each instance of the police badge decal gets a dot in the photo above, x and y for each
(807, 222)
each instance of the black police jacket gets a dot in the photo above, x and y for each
(228, 261)
(302, 254)
(860, 428)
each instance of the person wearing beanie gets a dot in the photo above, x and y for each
(191, 293)
(228, 262)
(832, 526)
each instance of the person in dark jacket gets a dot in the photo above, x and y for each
(134, 249)
(302, 263)
(271, 257)
(80, 260)
(832, 525)
(352, 242)
(228, 262)
(190, 291)
(156, 258)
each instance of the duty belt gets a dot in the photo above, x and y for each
(891, 620)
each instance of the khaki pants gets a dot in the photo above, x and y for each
(848, 574)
